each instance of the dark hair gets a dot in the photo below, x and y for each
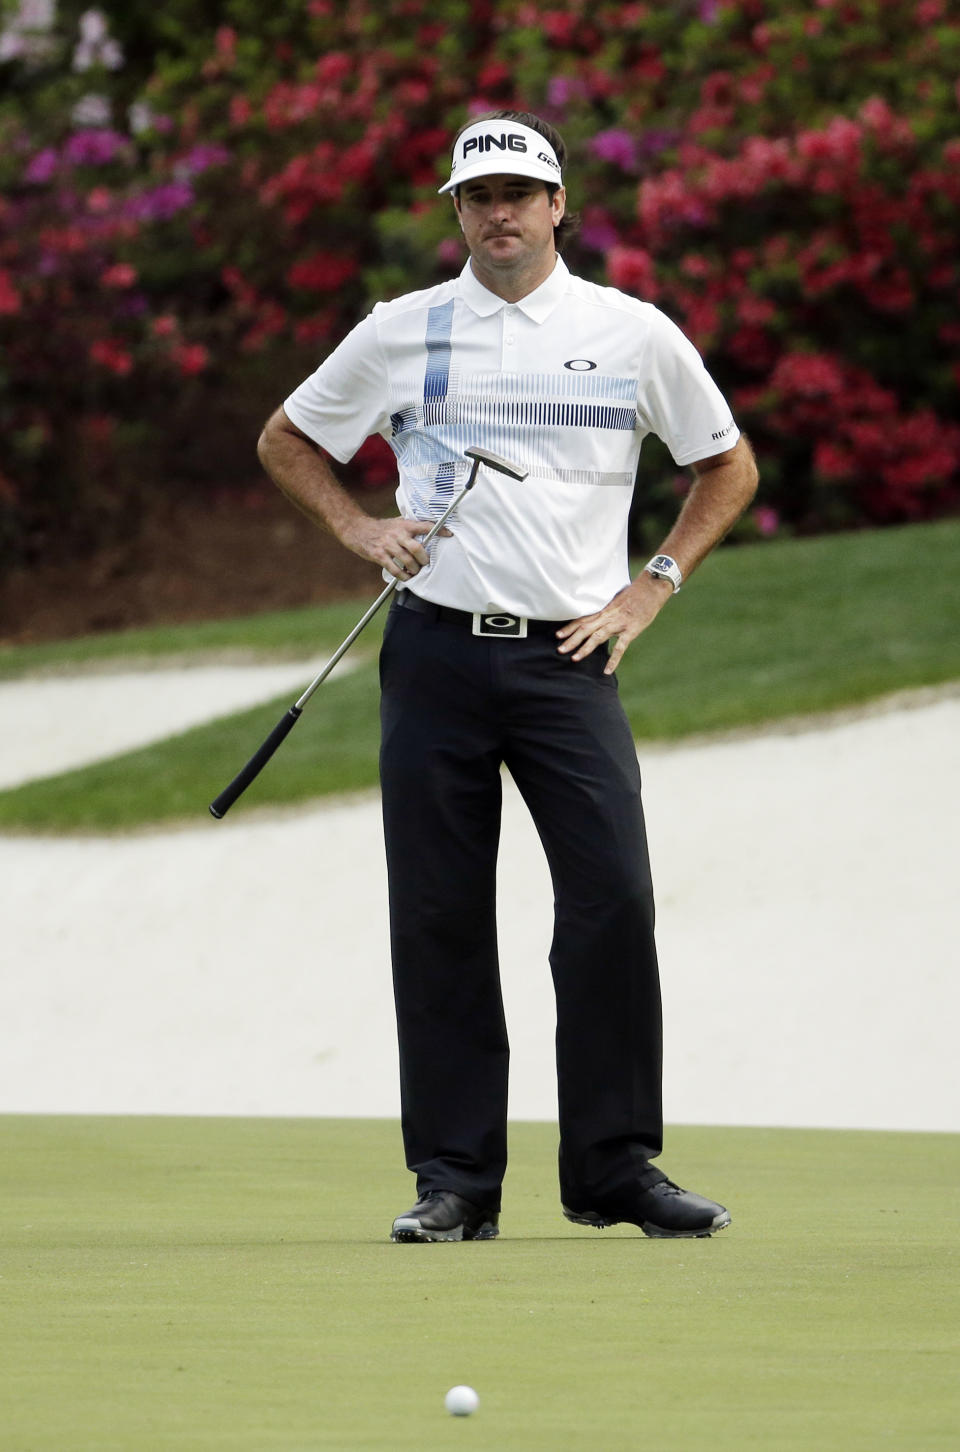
(569, 222)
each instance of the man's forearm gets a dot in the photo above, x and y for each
(718, 496)
(723, 488)
(301, 472)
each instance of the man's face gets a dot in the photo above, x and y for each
(508, 221)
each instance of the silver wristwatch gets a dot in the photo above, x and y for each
(665, 568)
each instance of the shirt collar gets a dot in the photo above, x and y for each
(537, 305)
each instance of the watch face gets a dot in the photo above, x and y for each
(662, 563)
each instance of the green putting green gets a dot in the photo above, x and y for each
(228, 1284)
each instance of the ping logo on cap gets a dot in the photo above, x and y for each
(508, 141)
(486, 148)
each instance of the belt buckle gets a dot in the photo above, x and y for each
(499, 623)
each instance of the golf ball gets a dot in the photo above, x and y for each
(461, 1401)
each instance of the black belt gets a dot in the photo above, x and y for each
(490, 624)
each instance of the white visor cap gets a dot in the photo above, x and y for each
(502, 147)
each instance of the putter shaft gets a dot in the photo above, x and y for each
(381, 599)
(222, 804)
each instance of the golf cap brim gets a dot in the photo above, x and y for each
(497, 148)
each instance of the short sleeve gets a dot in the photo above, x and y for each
(678, 400)
(344, 401)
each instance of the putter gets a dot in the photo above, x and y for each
(222, 804)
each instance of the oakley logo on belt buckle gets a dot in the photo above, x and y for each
(500, 625)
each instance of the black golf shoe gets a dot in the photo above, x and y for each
(442, 1215)
(661, 1210)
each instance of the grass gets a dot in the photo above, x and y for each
(226, 1284)
(764, 632)
(280, 634)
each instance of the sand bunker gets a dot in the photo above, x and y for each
(806, 886)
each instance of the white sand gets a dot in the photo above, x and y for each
(806, 884)
(59, 722)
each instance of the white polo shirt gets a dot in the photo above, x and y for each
(566, 383)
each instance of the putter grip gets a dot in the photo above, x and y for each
(222, 804)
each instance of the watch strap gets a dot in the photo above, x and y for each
(665, 567)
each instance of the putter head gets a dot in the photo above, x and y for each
(494, 461)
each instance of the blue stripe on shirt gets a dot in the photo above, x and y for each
(507, 413)
(437, 375)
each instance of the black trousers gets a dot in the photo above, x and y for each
(454, 707)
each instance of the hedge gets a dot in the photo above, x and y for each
(199, 200)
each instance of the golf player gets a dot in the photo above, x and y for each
(500, 648)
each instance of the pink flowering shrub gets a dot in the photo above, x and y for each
(192, 215)
(832, 329)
